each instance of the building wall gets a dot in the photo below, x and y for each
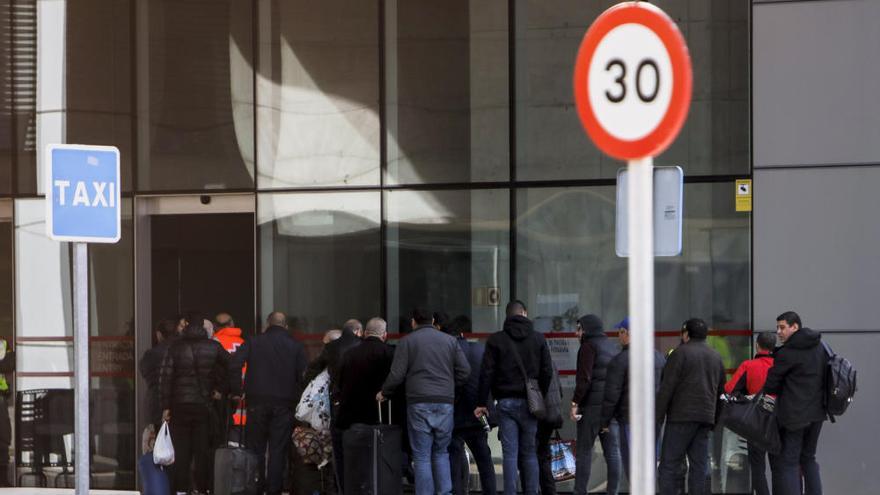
(816, 167)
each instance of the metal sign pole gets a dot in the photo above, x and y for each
(641, 310)
(81, 352)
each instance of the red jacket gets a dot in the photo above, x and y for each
(751, 374)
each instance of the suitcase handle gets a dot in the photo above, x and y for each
(379, 405)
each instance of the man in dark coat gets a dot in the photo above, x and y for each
(692, 383)
(797, 378)
(361, 375)
(468, 429)
(151, 365)
(272, 386)
(594, 355)
(193, 377)
(615, 405)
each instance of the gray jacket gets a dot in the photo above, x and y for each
(432, 363)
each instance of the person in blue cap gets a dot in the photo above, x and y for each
(615, 405)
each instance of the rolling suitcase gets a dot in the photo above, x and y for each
(236, 470)
(376, 450)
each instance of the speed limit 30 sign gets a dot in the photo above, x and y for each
(632, 81)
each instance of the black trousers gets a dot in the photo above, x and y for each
(190, 434)
(478, 441)
(758, 467)
(545, 469)
(268, 429)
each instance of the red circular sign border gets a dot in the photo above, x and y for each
(664, 27)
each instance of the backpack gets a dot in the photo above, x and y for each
(840, 384)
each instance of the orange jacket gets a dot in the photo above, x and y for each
(230, 339)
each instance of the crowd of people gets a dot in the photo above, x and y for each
(212, 385)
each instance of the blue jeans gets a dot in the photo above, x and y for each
(798, 455)
(587, 433)
(430, 431)
(680, 440)
(517, 430)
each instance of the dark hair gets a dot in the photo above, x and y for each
(515, 307)
(696, 329)
(167, 328)
(459, 325)
(441, 319)
(422, 316)
(766, 341)
(791, 318)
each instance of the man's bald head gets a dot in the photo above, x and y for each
(354, 326)
(223, 320)
(276, 319)
(376, 327)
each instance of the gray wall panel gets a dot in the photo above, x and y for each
(816, 240)
(847, 452)
(815, 76)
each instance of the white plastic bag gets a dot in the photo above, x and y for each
(314, 406)
(163, 451)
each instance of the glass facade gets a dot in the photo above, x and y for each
(390, 154)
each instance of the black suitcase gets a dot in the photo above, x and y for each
(373, 459)
(236, 470)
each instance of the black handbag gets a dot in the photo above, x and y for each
(534, 397)
(753, 419)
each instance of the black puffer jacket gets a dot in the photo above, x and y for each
(594, 355)
(193, 368)
(797, 378)
(615, 405)
(500, 372)
(693, 381)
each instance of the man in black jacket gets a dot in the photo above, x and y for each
(797, 378)
(693, 381)
(615, 405)
(594, 355)
(501, 373)
(361, 374)
(272, 385)
(193, 377)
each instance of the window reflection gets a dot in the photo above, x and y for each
(44, 374)
(448, 251)
(196, 95)
(318, 93)
(447, 90)
(550, 139)
(319, 255)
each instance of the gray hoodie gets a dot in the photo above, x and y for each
(432, 363)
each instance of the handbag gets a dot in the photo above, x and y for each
(314, 405)
(562, 462)
(314, 447)
(534, 397)
(754, 420)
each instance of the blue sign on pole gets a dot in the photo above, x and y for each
(83, 193)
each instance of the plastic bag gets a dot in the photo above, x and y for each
(163, 450)
(562, 461)
(314, 406)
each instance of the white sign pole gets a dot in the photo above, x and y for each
(641, 311)
(81, 360)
